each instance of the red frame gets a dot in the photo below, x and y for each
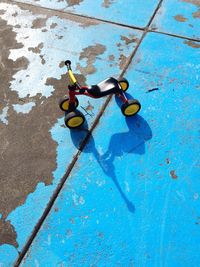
(76, 91)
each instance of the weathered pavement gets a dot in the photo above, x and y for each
(131, 195)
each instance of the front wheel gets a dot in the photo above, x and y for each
(64, 103)
(124, 84)
(74, 119)
(131, 107)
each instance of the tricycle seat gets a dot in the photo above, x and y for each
(106, 87)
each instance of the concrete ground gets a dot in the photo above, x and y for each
(117, 192)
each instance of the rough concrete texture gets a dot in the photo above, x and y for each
(179, 17)
(35, 147)
(34, 43)
(131, 13)
(28, 153)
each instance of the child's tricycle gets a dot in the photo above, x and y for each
(74, 118)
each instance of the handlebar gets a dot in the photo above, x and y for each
(68, 64)
(71, 75)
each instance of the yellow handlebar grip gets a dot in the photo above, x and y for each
(72, 78)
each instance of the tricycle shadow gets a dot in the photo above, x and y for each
(120, 144)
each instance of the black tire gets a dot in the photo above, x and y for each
(64, 103)
(131, 108)
(74, 119)
(124, 84)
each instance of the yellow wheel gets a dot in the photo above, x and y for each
(124, 84)
(74, 119)
(64, 104)
(132, 107)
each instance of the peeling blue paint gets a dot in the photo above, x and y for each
(133, 12)
(177, 17)
(24, 108)
(3, 115)
(123, 207)
(56, 50)
(141, 214)
(31, 82)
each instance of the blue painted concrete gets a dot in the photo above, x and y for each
(3, 115)
(54, 51)
(133, 196)
(179, 17)
(66, 40)
(132, 12)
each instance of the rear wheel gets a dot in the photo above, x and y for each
(74, 119)
(131, 107)
(64, 103)
(124, 84)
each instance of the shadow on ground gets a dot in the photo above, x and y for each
(120, 144)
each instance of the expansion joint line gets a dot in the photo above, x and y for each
(76, 157)
(67, 13)
(146, 30)
(89, 132)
